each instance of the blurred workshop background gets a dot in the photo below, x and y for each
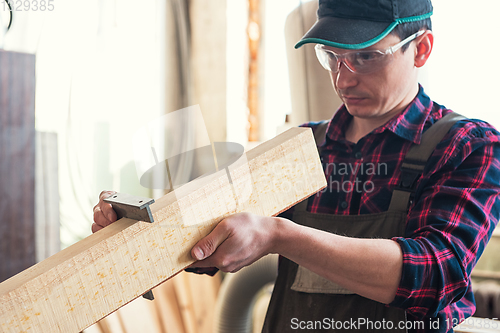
(104, 68)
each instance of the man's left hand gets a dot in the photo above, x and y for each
(236, 242)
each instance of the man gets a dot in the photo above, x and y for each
(355, 256)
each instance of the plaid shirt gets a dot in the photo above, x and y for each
(454, 212)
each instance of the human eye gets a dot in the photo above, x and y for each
(362, 58)
(327, 58)
(332, 58)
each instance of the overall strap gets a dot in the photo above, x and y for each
(319, 136)
(320, 133)
(416, 159)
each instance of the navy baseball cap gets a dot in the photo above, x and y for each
(356, 24)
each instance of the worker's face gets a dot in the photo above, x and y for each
(383, 93)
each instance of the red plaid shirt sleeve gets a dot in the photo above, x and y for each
(455, 211)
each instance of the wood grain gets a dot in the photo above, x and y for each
(47, 222)
(168, 308)
(92, 278)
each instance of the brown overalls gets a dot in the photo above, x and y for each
(302, 298)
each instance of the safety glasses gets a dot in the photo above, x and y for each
(360, 62)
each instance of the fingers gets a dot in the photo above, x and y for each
(223, 262)
(105, 194)
(95, 227)
(236, 242)
(207, 246)
(104, 214)
(106, 208)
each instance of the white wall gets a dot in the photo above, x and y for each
(463, 72)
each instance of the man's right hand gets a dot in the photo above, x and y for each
(104, 214)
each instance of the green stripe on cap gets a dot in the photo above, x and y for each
(415, 18)
(348, 46)
(365, 44)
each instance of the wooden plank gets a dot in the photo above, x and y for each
(111, 324)
(254, 74)
(184, 300)
(93, 329)
(208, 62)
(310, 85)
(139, 316)
(17, 162)
(167, 307)
(92, 278)
(189, 290)
(204, 288)
(47, 222)
(163, 315)
(490, 275)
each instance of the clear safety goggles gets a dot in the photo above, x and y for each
(360, 62)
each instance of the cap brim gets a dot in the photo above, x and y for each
(346, 33)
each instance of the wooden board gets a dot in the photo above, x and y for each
(47, 222)
(92, 278)
(168, 308)
(205, 289)
(165, 310)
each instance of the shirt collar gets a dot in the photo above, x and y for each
(409, 124)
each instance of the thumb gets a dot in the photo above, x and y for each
(207, 246)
